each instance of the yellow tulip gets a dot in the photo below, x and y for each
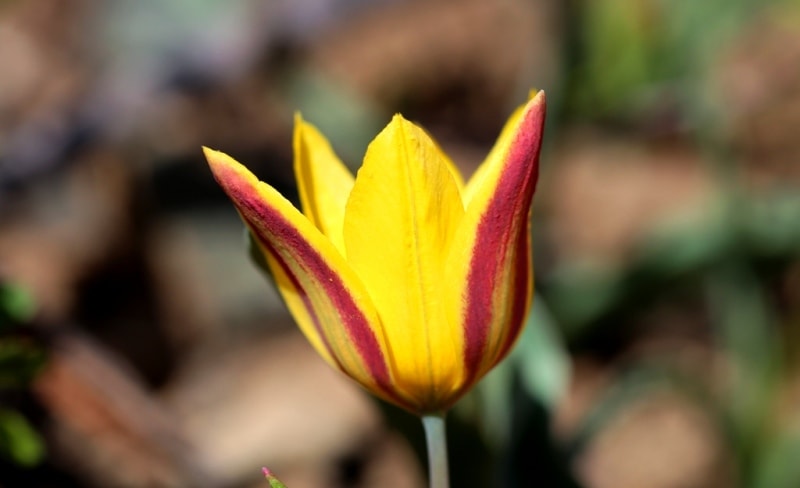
(405, 278)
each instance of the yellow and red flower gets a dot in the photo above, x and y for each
(405, 278)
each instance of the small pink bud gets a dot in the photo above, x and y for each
(273, 481)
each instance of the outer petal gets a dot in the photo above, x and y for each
(323, 182)
(490, 256)
(401, 215)
(324, 295)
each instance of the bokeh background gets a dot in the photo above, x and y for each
(139, 346)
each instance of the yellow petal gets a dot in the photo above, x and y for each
(458, 178)
(323, 181)
(403, 209)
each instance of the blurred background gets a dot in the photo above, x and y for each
(139, 346)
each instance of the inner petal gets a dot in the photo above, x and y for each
(402, 212)
(323, 181)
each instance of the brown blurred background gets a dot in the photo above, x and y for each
(139, 346)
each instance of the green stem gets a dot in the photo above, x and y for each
(437, 450)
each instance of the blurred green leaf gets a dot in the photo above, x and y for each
(637, 54)
(543, 362)
(539, 361)
(19, 442)
(579, 294)
(680, 248)
(745, 326)
(16, 306)
(618, 43)
(673, 255)
(778, 466)
(489, 403)
(772, 225)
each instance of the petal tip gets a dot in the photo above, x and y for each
(216, 158)
(226, 170)
(537, 97)
(398, 119)
(534, 114)
(208, 152)
(535, 92)
(299, 121)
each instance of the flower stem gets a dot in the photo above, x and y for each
(437, 450)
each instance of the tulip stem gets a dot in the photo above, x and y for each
(437, 450)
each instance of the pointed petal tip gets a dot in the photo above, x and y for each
(400, 126)
(207, 151)
(304, 133)
(535, 92)
(398, 119)
(298, 119)
(532, 119)
(216, 158)
(537, 98)
(229, 173)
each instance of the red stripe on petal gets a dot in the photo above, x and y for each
(270, 223)
(505, 220)
(303, 296)
(274, 231)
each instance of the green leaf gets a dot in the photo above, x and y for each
(489, 404)
(580, 293)
(19, 442)
(540, 362)
(16, 306)
(745, 325)
(543, 361)
(778, 466)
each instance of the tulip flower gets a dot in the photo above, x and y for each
(404, 277)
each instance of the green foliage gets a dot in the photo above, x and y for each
(635, 55)
(21, 358)
(19, 442)
(617, 47)
(16, 306)
(765, 229)
(729, 255)
(778, 467)
(540, 357)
